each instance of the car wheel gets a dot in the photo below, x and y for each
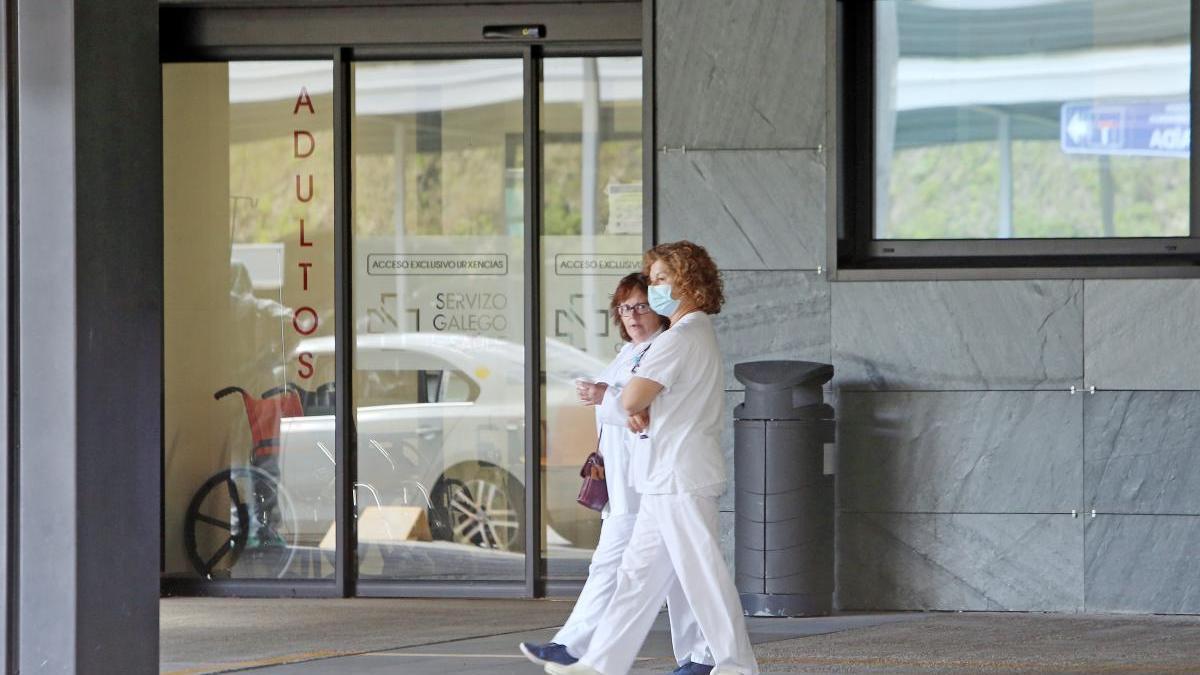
(482, 505)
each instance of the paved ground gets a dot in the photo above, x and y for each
(293, 637)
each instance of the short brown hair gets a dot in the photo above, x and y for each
(625, 287)
(696, 275)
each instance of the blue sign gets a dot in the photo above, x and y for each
(1156, 129)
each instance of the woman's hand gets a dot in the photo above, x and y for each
(590, 393)
(639, 422)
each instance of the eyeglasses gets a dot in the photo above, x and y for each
(639, 309)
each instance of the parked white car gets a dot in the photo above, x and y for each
(441, 424)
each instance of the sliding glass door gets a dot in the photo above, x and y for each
(459, 227)
(439, 379)
(591, 236)
(249, 316)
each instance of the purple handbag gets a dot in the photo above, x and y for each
(594, 492)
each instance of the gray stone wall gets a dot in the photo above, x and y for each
(741, 170)
(1141, 446)
(962, 452)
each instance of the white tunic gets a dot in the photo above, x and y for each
(684, 453)
(623, 502)
(615, 437)
(675, 542)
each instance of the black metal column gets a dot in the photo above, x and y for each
(649, 127)
(343, 270)
(534, 569)
(7, 338)
(90, 329)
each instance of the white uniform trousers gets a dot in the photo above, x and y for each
(674, 538)
(576, 634)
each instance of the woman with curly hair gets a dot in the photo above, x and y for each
(639, 326)
(675, 403)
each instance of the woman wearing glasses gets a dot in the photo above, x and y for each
(679, 474)
(639, 326)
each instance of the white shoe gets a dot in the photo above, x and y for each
(576, 668)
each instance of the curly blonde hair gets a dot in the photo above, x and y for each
(696, 275)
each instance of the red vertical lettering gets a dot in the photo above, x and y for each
(304, 100)
(296, 320)
(312, 144)
(306, 366)
(302, 240)
(299, 195)
(304, 319)
(305, 266)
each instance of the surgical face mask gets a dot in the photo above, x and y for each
(661, 301)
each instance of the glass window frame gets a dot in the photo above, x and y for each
(856, 254)
(347, 35)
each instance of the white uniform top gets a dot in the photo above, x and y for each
(683, 452)
(616, 440)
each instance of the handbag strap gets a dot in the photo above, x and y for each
(596, 458)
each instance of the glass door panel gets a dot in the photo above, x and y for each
(249, 317)
(439, 364)
(591, 118)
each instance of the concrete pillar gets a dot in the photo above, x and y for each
(89, 334)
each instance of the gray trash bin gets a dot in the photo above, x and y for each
(784, 527)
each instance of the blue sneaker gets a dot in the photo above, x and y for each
(551, 652)
(693, 668)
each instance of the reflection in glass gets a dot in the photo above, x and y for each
(248, 253)
(439, 361)
(591, 237)
(1032, 119)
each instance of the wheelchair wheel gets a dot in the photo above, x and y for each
(241, 522)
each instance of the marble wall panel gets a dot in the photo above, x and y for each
(773, 315)
(751, 209)
(1142, 334)
(960, 562)
(746, 74)
(941, 335)
(1142, 564)
(1142, 452)
(958, 452)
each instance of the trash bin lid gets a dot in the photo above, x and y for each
(769, 375)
